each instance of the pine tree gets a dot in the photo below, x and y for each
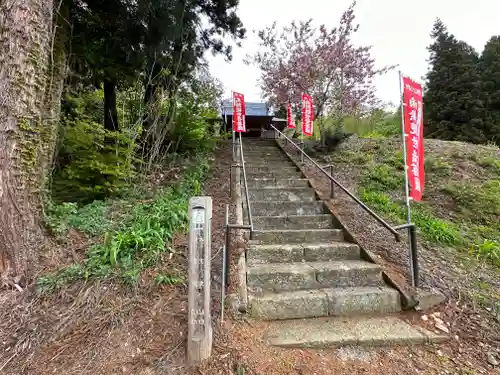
(454, 105)
(490, 71)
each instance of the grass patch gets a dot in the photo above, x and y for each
(487, 250)
(477, 202)
(489, 162)
(381, 202)
(437, 165)
(138, 241)
(430, 227)
(434, 229)
(381, 177)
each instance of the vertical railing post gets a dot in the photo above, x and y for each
(226, 254)
(199, 262)
(231, 181)
(302, 153)
(332, 193)
(412, 232)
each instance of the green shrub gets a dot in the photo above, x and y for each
(92, 163)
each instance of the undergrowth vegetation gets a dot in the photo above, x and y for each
(133, 240)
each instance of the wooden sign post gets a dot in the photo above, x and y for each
(199, 345)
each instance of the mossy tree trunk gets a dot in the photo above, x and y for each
(27, 130)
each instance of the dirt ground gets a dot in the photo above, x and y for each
(106, 328)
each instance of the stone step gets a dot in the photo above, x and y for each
(289, 194)
(269, 165)
(268, 160)
(279, 208)
(275, 173)
(281, 277)
(289, 236)
(325, 302)
(258, 254)
(262, 154)
(324, 221)
(266, 169)
(277, 183)
(344, 331)
(266, 157)
(262, 148)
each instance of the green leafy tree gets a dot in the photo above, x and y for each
(162, 42)
(454, 101)
(490, 70)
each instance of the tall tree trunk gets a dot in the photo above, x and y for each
(25, 47)
(149, 99)
(110, 111)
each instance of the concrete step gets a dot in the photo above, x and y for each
(260, 153)
(266, 169)
(266, 158)
(324, 221)
(290, 236)
(258, 254)
(343, 331)
(274, 174)
(280, 208)
(325, 302)
(290, 194)
(263, 149)
(281, 277)
(277, 183)
(269, 165)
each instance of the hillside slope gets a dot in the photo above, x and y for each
(458, 225)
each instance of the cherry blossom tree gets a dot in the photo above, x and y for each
(320, 61)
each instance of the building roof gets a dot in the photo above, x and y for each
(252, 109)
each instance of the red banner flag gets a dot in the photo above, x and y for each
(414, 135)
(307, 114)
(291, 121)
(239, 125)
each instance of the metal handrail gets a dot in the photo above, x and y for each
(247, 198)
(356, 199)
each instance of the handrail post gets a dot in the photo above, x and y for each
(302, 152)
(412, 232)
(225, 255)
(245, 184)
(332, 193)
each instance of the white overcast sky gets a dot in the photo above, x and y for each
(398, 31)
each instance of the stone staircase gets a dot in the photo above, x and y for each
(300, 266)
